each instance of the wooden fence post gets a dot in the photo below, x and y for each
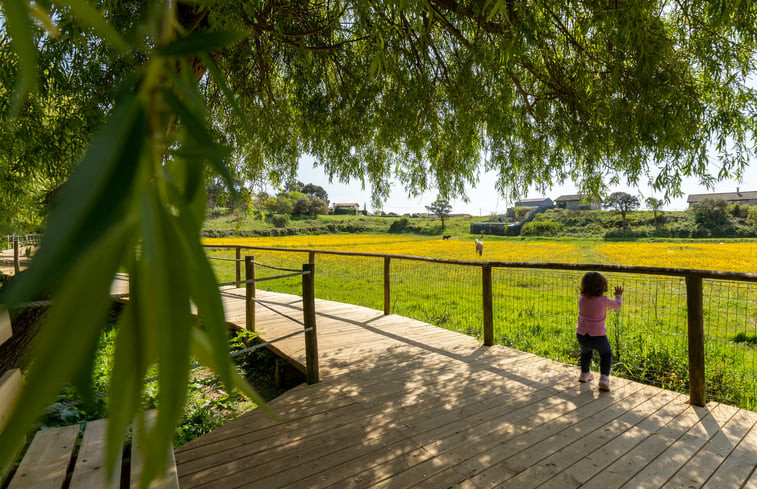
(238, 264)
(249, 274)
(308, 314)
(16, 265)
(695, 312)
(311, 256)
(486, 281)
(387, 286)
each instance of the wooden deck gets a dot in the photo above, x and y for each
(404, 404)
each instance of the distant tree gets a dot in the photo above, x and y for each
(654, 204)
(710, 212)
(307, 205)
(623, 203)
(293, 186)
(315, 191)
(440, 208)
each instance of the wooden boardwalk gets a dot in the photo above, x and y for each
(404, 404)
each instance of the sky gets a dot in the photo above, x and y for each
(484, 200)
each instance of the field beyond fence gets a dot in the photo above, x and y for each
(533, 308)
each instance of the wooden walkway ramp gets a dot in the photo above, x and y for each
(404, 404)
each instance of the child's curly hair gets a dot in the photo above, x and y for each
(593, 284)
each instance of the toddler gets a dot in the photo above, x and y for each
(591, 330)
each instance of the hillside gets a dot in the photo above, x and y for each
(718, 222)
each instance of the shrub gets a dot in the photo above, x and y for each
(541, 228)
(399, 225)
(752, 217)
(280, 220)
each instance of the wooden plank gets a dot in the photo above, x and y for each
(658, 471)
(45, 463)
(90, 470)
(6, 330)
(701, 466)
(10, 387)
(169, 480)
(487, 463)
(740, 464)
(623, 469)
(560, 463)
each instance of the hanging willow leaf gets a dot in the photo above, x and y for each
(200, 41)
(90, 16)
(20, 29)
(228, 94)
(92, 200)
(164, 310)
(59, 355)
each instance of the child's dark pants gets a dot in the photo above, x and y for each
(602, 345)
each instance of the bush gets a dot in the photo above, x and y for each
(752, 217)
(399, 226)
(541, 228)
(280, 220)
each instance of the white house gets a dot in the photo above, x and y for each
(731, 197)
(538, 202)
(575, 202)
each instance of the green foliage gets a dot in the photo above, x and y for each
(623, 203)
(522, 212)
(399, 225)
(440, 208)
(710, 212)
(541, 228)
(752, 216)
(280, 220)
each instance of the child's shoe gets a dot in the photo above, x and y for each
(604, 383)
(585, 377)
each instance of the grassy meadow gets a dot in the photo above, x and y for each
(535, 309)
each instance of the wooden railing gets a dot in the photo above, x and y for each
(308, 306)
(693, 279)
(18, 241)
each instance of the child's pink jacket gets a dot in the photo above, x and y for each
(592, 312)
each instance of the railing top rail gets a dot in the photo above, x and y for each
(664, 271)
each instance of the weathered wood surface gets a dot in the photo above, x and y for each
(404, 404)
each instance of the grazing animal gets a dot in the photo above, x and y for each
(446, 236)
(479, 248)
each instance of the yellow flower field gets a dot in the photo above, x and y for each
(737, 257)
(513, 251)
(733, 257)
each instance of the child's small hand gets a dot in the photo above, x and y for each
(618, 290)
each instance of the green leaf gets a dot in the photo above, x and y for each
(90, 16)
(94, 197)
(20, 29)
(129, 367)
(200, 42)
(203, 140)
(228, 94)
(59, 354)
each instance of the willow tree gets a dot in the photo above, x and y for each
(428, 92)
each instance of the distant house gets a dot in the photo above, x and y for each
(575, 202)
(539, 202)
(348, 208)
(736, 197)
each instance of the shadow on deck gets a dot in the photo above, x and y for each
(404, 404)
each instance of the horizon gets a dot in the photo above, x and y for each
(484, 199)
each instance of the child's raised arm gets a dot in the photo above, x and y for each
(618, 290)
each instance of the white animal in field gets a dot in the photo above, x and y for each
(479, 248)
